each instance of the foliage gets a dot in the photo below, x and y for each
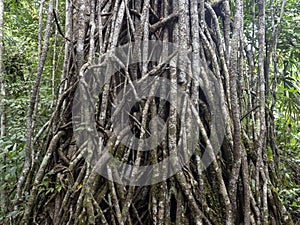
(288, 138)
(21, 59)
(20, 63)
(288, 107)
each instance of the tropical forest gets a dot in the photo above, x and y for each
(149, 112)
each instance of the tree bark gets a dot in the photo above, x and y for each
(2, 106)
(205, 110)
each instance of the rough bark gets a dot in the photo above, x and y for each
(216, 74)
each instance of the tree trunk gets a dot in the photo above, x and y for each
(2, 106)
(156, 121)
